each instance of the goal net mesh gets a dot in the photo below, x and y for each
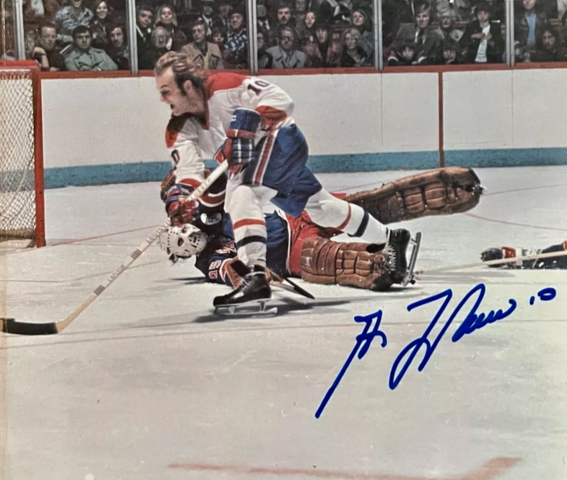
(17, 156)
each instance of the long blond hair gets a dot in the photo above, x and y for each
(173, 15)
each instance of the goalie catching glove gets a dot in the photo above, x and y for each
(238, 148)
(443, 191)
(360, 265)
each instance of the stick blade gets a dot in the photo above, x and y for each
(10, 325)
(299, 289)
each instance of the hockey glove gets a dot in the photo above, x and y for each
(238, 148)
(178, 207)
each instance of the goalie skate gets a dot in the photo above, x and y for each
(409, 277)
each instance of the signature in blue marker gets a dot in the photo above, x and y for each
(474, 320)
(362, 345)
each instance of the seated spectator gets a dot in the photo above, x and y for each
(30, 39)
(326, 47)
(427, 40)
(353, 55)
(550, 49)
(118, 49)
(45, 52)
(263, 21)
(311, 50)
(482, 41)
(144, 20)
(360, 19)
(283, 19)
(335, 49)
(451, 52)
(283, 15)
(462, 10)
(528, 26)
(403, 55)
(306, 28)
(395, 13)
(447, 31)
(336, 12)
(224, 11)
(33, 11)
(497, 9)
(219, 37)
(102, 19)
(51, 7)
(166, 18)
(209, 18)
(205, 54)
(84, 57)
(69, 18)
(265, 60)
(159, 40)
(286, 55)
(236, 46)
(299, 12)
(547, 9)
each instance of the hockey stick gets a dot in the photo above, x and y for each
(502, 261)
(10, 325)
(292, 287)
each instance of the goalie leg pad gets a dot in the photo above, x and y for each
(443, 191)
(359, 265)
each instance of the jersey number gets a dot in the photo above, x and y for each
(257, 85)
(175, 157)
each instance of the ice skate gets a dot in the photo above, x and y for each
(249, 298)
(409, 276)
(396, 247)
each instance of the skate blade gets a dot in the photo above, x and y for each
(255, 308)
(409, 277)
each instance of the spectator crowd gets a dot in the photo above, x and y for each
(79, 35)
(443, 32)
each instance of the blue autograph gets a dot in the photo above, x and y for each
(363, 342)
(474, 320)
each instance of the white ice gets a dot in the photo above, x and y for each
(147, 384)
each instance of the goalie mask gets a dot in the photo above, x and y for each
(183, 242)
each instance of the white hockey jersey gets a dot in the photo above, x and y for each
(189, 141)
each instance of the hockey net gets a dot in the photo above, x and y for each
(21, 156)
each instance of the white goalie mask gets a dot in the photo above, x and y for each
(184, 241)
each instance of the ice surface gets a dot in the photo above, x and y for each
(148, 384)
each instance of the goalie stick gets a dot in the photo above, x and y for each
(10, 325)
(502, 261)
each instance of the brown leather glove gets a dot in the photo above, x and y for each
(359, 265)
(443, 191)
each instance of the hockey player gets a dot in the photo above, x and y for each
(297, 247)
(500, 253)
(248, 123)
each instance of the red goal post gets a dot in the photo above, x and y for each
(22, 213)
